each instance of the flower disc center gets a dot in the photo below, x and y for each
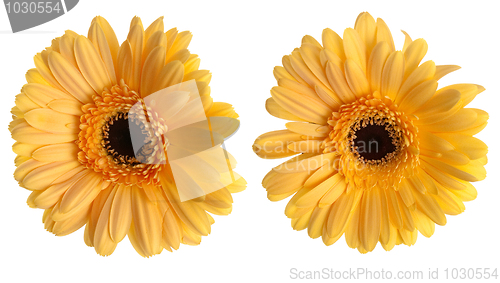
(118, 134)
(373, 142)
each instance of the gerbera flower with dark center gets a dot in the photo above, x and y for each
(75, 123)
(380, 152)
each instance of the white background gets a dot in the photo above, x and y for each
(241, 42)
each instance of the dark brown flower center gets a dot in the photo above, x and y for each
(374, 142)
(118, 133)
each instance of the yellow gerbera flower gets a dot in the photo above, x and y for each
(74, 123)
(383, 152)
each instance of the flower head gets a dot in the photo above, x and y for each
(383, 153)
(92, 129)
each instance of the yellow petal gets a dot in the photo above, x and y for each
(473, 147)
(110, 35)
(384, 34)
(286, 183)
(467, 194)
(333, 42)
(370, 218)
(67, 106)
(317, 222)
(312, 197)
(154, 27)
(437, 176)
(355, 48)
(307, 146)
(91, 64)
(181, 55)
(40, 178)
(301, 106)
(181, 42)
(302, 222)
(329, 97)
(222, 109)
(310, 40)
(124, 69)
(366, 27)
(331, 196)
(67, 47)
(428, 205)
(393, 208)
(46, 73)
(192, 64)
(356, 79)
(468, 91)
(405, 191)
(95, 213)
(70, 78)
(24, 149)
(102, 240)
(281, 73)
(26, 167)
(307, 129)
(136, 39)
(158, 38)
(408, 40)
(392, 75)
(338, 82)
(376, 63)
(85, 190)
(323, 173)
(462, 120)
(279, 112)
(434, 142)
(152, 67)
(172, 229)
(327, 55)
(27, 134)
(418, 96)
(293, 85)
(25, 104)
(286, 61)
(306, 164)
(470, 173)
(450, 203)
(43, 95)
(423, 73)
(306, 74)
(147, 222)
(70, 225)
(352, 231)
(443, 70)
(171, 74)
(275, 144)
(310, 55)
(52, 194)
(341, 212)
(171, 34)
(385, 223)
(408, 223)
(52, 121)
(57, 152)
(98, 38)
(199, 75)
(33, 76)
(423, 223)
(414, 54)
(441, 106)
